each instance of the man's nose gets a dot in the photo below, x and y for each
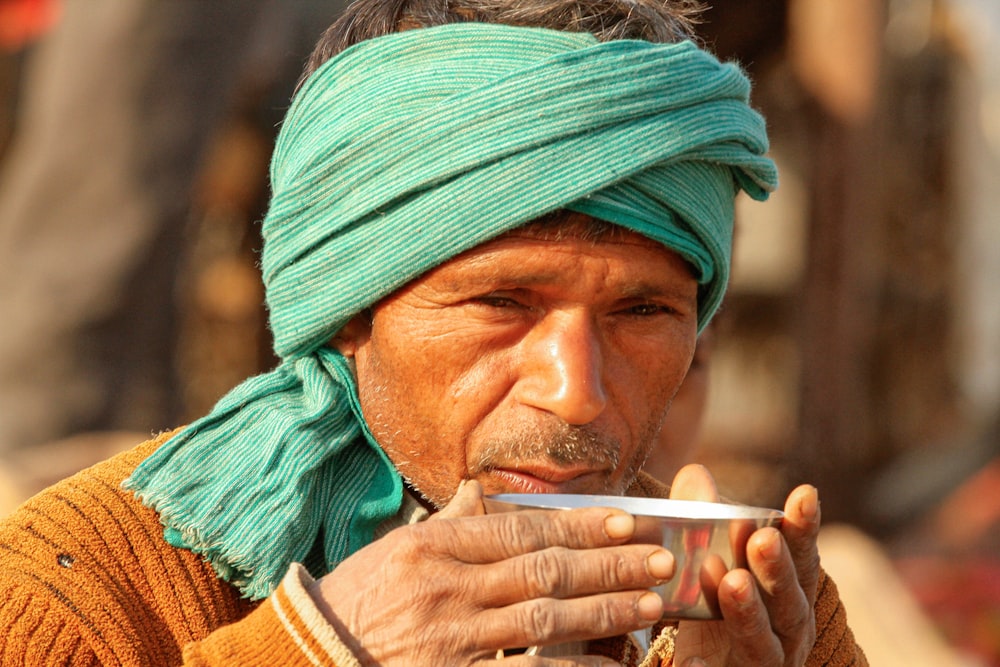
(562, 371)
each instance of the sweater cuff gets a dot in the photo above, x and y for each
(301, 619)
(286, 629)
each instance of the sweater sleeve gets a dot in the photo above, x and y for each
(35, 632)
(835, 645)
(286, 629)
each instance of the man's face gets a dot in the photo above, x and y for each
(530, 363)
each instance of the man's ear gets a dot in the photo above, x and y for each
(353, 335)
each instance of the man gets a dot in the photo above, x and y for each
(494, 234)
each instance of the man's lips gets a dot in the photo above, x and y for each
(545, 479)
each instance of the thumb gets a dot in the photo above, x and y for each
(694, 482)
(467, 501)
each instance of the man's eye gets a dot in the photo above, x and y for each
(648, 309)
(494, 301)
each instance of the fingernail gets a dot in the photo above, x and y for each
(650, 606)
(660, 565)
(809, 506)
(771, 549)
(617, 526)
(744, 594)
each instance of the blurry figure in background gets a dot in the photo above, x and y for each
(885, 609)
(682, 427)
(950, 557)
(22, 21)
(118, 102)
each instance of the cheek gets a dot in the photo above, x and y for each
(656, 377)
(478, 385)
(423, 407)
(389, 403)
(404, 424)
(650, 379)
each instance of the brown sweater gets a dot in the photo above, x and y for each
(86, 578)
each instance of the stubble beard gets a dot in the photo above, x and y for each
(558, 443)
(561, 445)
(555, 442)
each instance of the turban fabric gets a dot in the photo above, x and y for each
(396, 155)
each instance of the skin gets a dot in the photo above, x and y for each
(540, 364)
(532, 365)
(768, 607)
(678, 438)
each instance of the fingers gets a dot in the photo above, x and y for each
(751, 640)
(800, 528)
(787, 604)
(539, 621)
(768, 607)
(565, 573)
(475, 609)
(496, 537)
(694, 482)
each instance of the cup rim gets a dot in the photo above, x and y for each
(695, 510)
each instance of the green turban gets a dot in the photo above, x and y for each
(396, 155)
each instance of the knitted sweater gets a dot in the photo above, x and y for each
(86, 578)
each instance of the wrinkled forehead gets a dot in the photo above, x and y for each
(565, 225)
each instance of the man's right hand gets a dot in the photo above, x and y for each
(455, 589)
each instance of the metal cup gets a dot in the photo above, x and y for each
(706, 539)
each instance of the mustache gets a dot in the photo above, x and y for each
(563, 444)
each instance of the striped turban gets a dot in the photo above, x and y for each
(396, 155)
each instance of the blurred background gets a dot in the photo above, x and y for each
(858, 349)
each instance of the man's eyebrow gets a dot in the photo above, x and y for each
(500, 279)
(645, 290)
(508, 278)
(481, 272)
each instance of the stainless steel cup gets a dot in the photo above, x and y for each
(706, 539)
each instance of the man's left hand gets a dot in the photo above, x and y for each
(767, 608)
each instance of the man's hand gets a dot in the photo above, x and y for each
(768, 607)
(455, 589)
